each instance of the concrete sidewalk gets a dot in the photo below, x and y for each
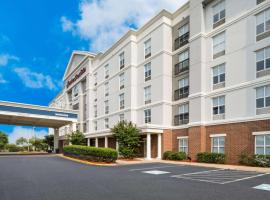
(218, 166)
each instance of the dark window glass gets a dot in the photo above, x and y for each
(216, 18)
(222, 14)
(267, 101)
(267, 63)
(222, 77)
(260, 103)
(215, 110)
(260, 28)
(260, 65)
(221, 109)
(267, 26)
(215, 79)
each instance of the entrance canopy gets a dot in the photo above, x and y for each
(33, 115)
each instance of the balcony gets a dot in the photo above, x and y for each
(181, 41)
(181, 119)
(181, 67)
(181, 93)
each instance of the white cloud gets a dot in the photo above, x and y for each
(5, 58)
(27, 133)
(102, 22)
(2, 80)
(36, 80)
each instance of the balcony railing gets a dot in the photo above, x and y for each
(181, 93)
(181, 41)
(181, 119)
(181, 67)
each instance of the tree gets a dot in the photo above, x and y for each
(49, 140)
(3, 140)
(22, 141)
(37, 143)
(77, 138)
(128, 137)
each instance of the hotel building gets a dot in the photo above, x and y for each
(194, 80)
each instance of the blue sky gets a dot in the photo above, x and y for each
(37, 38)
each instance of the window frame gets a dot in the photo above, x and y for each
(264, 146)
(219, 74)
(147, 48)
(218, 12)
(264, 21)
(122, 60)
(219, 105)
(264, 97)
(121, 101)
(121, 80)
(106, 123)
(181, 146)
(147, 94)
(217, 44)
(218, 144)
(264, 50)
(147, 71)
(147, 116)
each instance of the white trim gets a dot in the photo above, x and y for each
(261, 133)
(218, 135)
(182, 137)
(152, 130)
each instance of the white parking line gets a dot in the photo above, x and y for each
(245, 178)
(149, 168)
(220, 176)
(201, 172)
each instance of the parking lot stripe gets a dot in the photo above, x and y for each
(201, 172)
(166, 166)
(245, 178)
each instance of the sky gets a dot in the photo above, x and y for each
(37, 38)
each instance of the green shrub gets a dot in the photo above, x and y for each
(255, 160)
(206, 157)
(169, 155)
(13, 148)
(91, 153)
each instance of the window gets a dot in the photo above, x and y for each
(95, 110)
(219, 74)
(183, 89)
(219, 105)
(122, 80)
(218, 145)
(95, 95)
(121, 101)
(219, 45)
(147, 94)
(106, 106)
(262, 144)
(263, 22)
(263, 96)
(147, 48)
(106, 123)
(147, 71)
(122, 117)
(219, 12)
(263, 59)
(95, 79)
(122, 60)
(183, 30)
(106, 70)
(183, 64)
(183, 37)
(183, 144)
(147, 116)
(183, 115)
(106, 88)
(95, 125)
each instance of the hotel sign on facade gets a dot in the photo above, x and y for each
(76, 77)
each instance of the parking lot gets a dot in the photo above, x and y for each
(50, 177)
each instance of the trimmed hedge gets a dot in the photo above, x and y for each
(255, 160)
(91, 153)
(206, 157)
(169, 155)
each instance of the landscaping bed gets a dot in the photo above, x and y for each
(91, 154)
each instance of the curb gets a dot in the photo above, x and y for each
(87, 162)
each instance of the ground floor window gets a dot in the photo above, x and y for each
(183, 144)
(218, 144)
(262, 144)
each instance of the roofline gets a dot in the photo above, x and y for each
(162, 13)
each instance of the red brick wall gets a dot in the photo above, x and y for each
(154, 146)
(238, 138)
